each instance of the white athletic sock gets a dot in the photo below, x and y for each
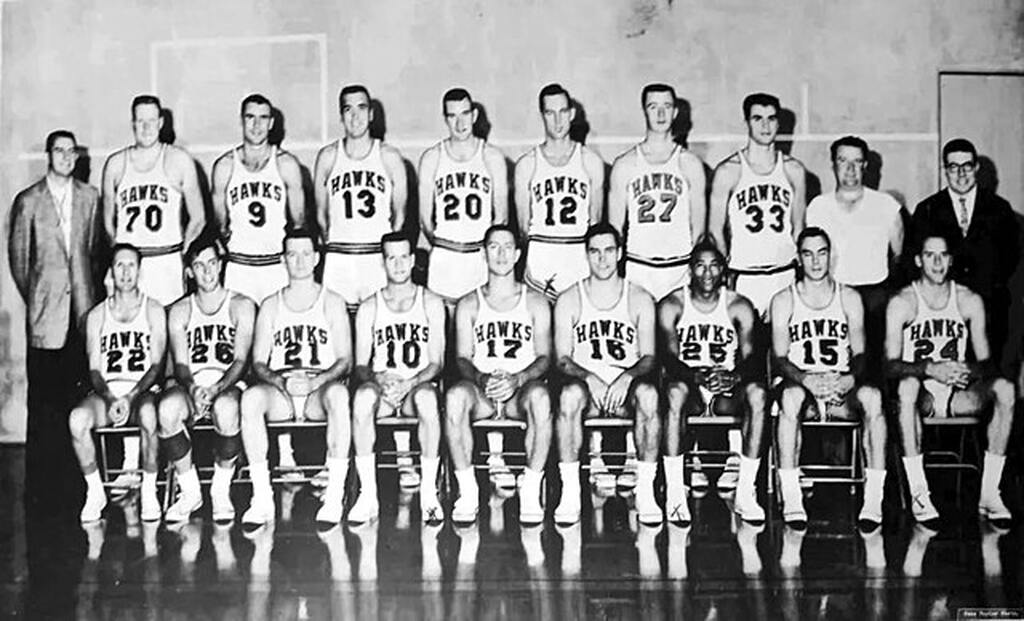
(260, 475)
(569, 471)
(991, 475)
(915, 473)
(94, 481)
(789, 482)
(188, 482)
(675, 487)
(337, 470)
(645, 472)
(748, 472)
(735, 441)
(467, 482)
(630, 445)
(428, 478)
(596, 441)
(131, 453)
(284, 449)
(495, 443)
(531, 477)
(874, 485)
(148, 482)
(366, 466)
(403, 439)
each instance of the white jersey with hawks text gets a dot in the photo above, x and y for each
(760, 222)
(819, 338)
(257, 210)
(400, 339)
(463, 208)
(302, 339)
(359, 201)
(148, 207)
(658, 212)
(605, 341)
(936, 334)
(707, 339)
(211, 341)
(503, 341)
(559, 198)
(124, 348)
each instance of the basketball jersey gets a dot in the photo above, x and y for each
(257, 208)
(559, 198)
(211, 341)
(302, 339)
(400, 339)
(358, 201)
(658, 211)
(147, 207)
(936, 334)
(819, 339)
(605, 341)
(707, 339)
(503, 341)
(463, 207)
(760, 222)
(124, 348)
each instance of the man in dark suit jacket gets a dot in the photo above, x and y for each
(54, 233)
(983, 226)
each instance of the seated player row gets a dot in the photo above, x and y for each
(656, 198)
(604, 343)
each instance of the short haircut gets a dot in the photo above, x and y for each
(455, 94)
(301, 233)
(56, 134)
(352, 89)
(208, 238)
(656, 87)
(936, 231)
(706, 245)
(495, 228)
(812, 231)
(142, 100)
(849, 141)
(759, 99)
(124, 246)
(255, 98)
(959, 145)
(602, 228)
(392, 237)
(549, 91)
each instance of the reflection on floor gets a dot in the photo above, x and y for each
(605, 567)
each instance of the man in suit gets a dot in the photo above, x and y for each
(54, 229)
(983, 227)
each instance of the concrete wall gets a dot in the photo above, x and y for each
(867, 67)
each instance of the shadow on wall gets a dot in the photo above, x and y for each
(378, 120)
(988, 176)
(83, 165)
(579, 129)
(873, 170)
(167, 134)
(277, 132)
(683, 123)
(787, 126)
(482, 126)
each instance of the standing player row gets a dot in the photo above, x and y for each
(656, 197)
(603, 336)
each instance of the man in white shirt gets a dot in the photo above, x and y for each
(867, 237)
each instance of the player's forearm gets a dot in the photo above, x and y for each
(232, 375)
(184, 376)
(983, 369)
(677, 370)
(194, 228)
(468, 371)
(536, 370)
(362, 373)
(569, 367)
(426, 374)
(334, 373)
(642, 367)
(99, 385)
(898, 369)
(788, 370)
(858, 365)
(263, 373)
(146, 382)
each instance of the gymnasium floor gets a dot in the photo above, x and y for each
(52, 568)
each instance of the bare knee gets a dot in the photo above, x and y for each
(171, 410)
(792, 402)
(147, 415)
(457, 403)
(870, 399)
(81, 422)
(676, 396)
(757, 400)
(254, 404)
(571, 402)
(335, 400)
(363, 403)
(645, 398)
(425, 400)
(908, 390)
(225, 412)
(1003, 393)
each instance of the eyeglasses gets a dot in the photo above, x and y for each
(69, 152)
(965, 168)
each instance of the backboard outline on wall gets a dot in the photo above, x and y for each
(320, 39)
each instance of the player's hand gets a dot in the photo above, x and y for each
(844, 384)
(119, 411)
(203, 398)
(615, 396)
(597, 389)
(503, 387)
(821, 385)
(702, 377)
(397, 391)
(949, 372)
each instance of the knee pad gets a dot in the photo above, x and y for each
(176, 446)
(229, 447)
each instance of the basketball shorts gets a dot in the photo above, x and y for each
(161, 277)
(552, 268)
(658, 281)
(354, 276)
(759, 288)
(257, 282)
(454, 274)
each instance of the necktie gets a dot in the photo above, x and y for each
(964, 219)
